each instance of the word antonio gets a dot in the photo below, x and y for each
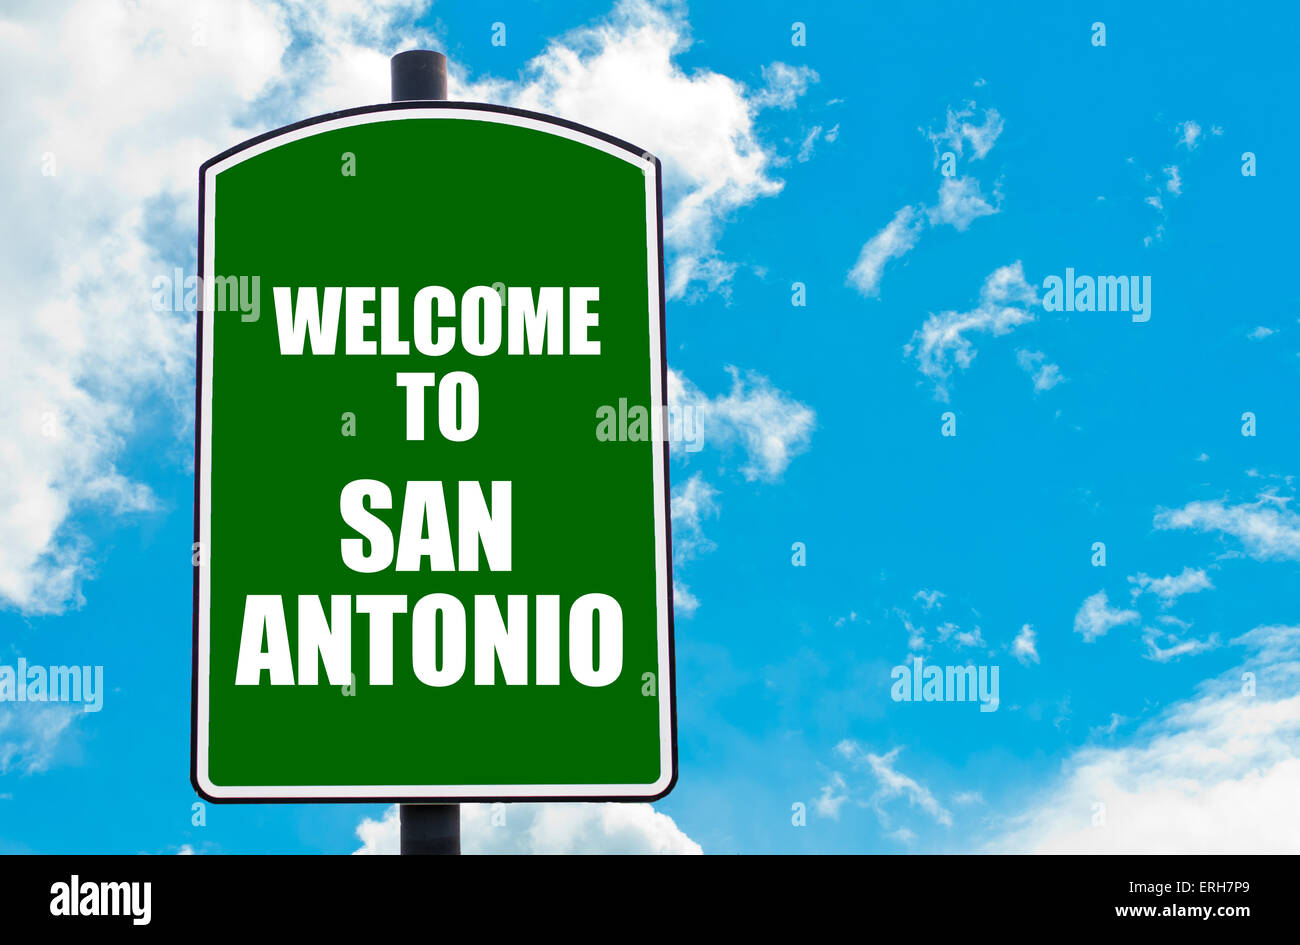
(440, 630)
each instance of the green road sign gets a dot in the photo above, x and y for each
(431, 508)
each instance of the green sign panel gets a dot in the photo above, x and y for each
(432, 549)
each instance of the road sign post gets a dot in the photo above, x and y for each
(431, 447)
(424, 829)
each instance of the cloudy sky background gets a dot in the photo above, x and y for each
(1127, 718)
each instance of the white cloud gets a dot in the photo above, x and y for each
(692, 502)
(1267, 528)
(343, 60)
(892, 783)
(960, 200)
(1174, 645)
(784, 84)
(1025, 646)
(1260, 333)
(895, 240)
(132, 98)
(1096, 617)
(546, 829)
(1045, 374)
(929, 599)
(963, 638)
(1110, 728)
(770, 425)
(1189, 137)
(1172, 586)
(1174, 183)
(915, 637)
(1006, 301)
(684, 601)
(810, 141)
(32, 735)
(832, 797)
(1189, 134)
(915, 634)
(1215, 773)
(959, 130)
(960, 203)
(621, 75)
(78, 336)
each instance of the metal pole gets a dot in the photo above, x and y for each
(430, 829)
(419, 75)
(427, 829)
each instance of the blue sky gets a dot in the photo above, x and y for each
(784, 164)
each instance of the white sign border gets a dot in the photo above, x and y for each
(663, 578)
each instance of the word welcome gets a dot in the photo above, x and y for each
(1102, 294)
(534, 324)
(53, 684)
(918, 683)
